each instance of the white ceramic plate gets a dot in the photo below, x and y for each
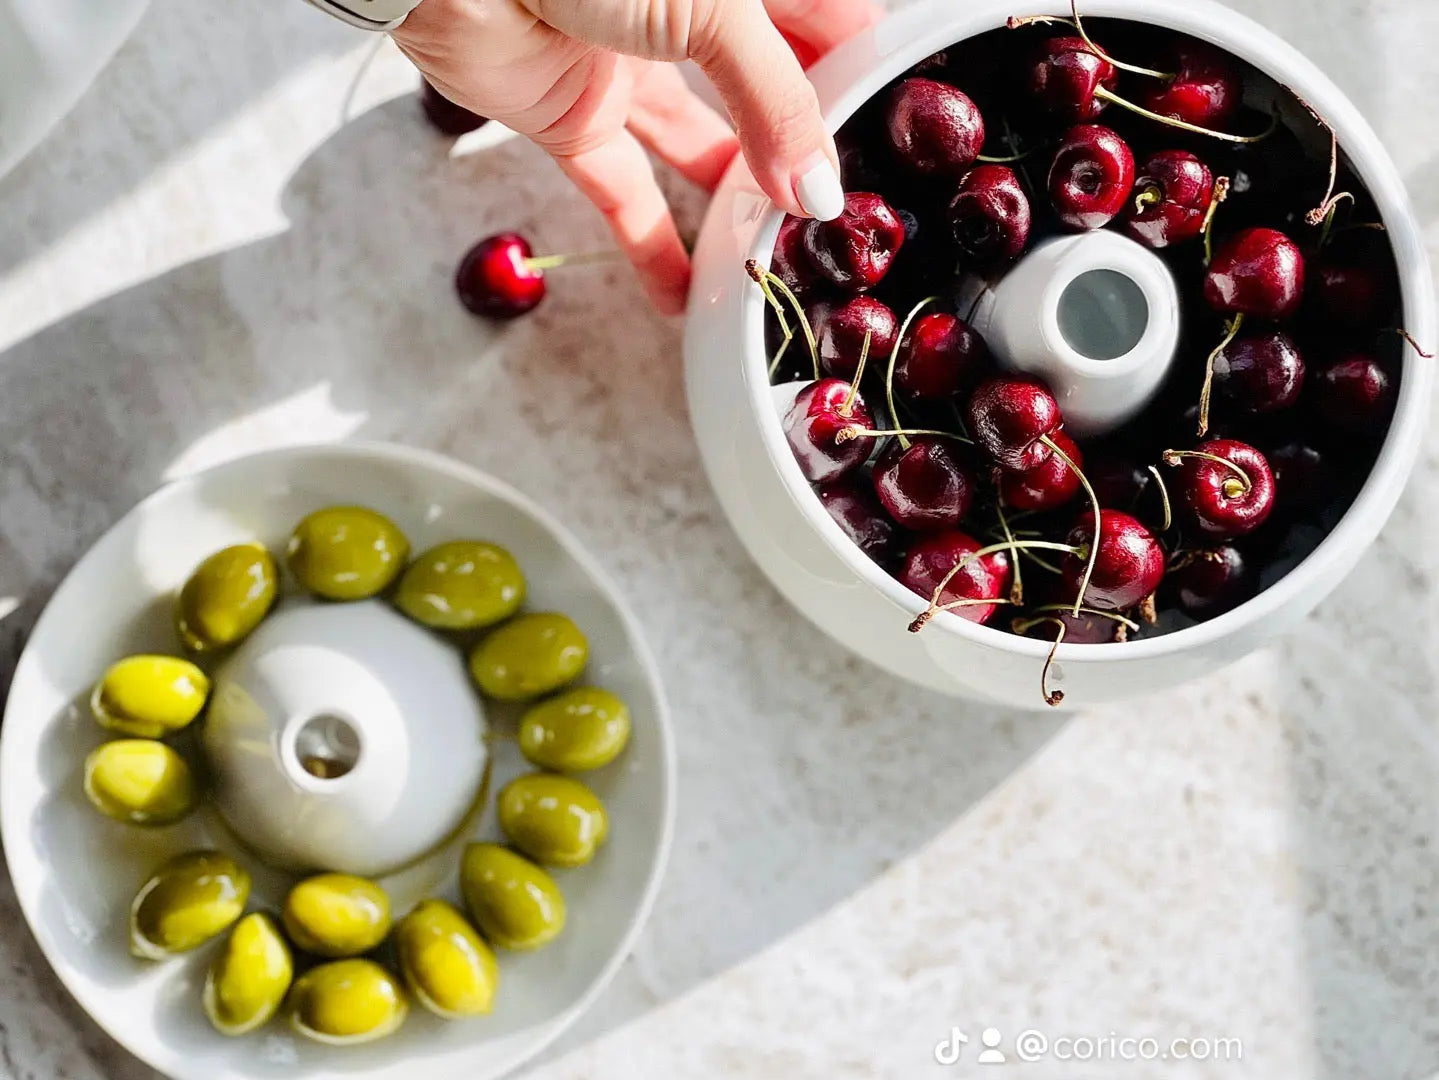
(75, 871)
(50, 53)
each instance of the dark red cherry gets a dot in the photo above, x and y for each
(1206, 89)
(1210, 581)
(1086, 628)
(1355, 394)
(934, 128)
(495, 279)
(939, 357)
(1049, 484)
(1118, 482)
(1302, 478)
(1171, 196)
(1092, 176)
(1225, 502)
(444, 115)
(1352, 282)
(790, 263)
(813, 425)
(1065, 76)
(855, 510)
(990, 217)
(1260, 373)
(1007, 418)
(1128, 568)
(854, 250)
(1256, 272)
(924, 486)
(840, 330)
(932, 557)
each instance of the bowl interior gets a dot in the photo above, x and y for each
(853, 74)
(75, 872)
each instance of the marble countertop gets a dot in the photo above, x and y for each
(243, 237)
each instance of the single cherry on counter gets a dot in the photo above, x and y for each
(444, 115)
(1008, 418)
(496, 278)
(1091, 176)
(932, 557)
(817, 424)
(990, 217)
(1172, 194)
(855, 250)
(938, 358)
(926, 485)
(1127, 569)
(934, 129)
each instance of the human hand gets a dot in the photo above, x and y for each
(593, 83)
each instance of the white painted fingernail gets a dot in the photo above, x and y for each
(819, 192)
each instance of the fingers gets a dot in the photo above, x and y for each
(616, 176)
(675, 125)
(822, 24)
(772, 103)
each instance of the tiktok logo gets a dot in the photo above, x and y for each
(947, 1051)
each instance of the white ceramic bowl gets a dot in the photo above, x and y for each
(75, 872)
(50, 52)
(804, 552)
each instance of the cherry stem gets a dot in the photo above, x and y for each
(1008, 545)
(761, 276)
(1016, 587)
(1173, 457)
(854, 431)
(784, 326)
(1327, 212)
(1089, 612)
(1325, 209)
(1094, 501)
(1150, 196)
(1207, 390)
(1005, 159)
(894, 356)
(1051, 697)
(1105, 94)
(1217, 196)
(779, 354)
(848, 404)
(1017, 21)
(1164, 498)
(1407, 336)
(551, 262)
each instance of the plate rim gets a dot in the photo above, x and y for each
(12, 829)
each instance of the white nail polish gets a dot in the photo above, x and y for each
(819, 191)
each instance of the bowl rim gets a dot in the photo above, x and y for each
(939, 25)
(25, 868)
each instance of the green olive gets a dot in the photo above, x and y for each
(337, 915)
(555, 820)
(529, 656)
(187, 901)
(584, 728)
(515, 903)
(149, 696)
(462, 585)
(446, 965)
(226, 597)
(249, 977)
(346, 1002)
(139, 781)
(346, 552)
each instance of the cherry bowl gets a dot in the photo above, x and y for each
(785, 524)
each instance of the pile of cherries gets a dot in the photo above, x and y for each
(958, 477)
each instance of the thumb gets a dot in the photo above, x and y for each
(772, 104)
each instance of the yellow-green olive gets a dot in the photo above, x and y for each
(346, 552)
(140, 782)
(530, 655)
(337, 915)
(553, 819)
(149, 696)
(249, 977)
(226, 597)
(187, 901)
(346, 1002)
(515, 903)
(446, 965)
(462, 585)
(580, 729)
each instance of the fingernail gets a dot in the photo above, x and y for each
(818, 190)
